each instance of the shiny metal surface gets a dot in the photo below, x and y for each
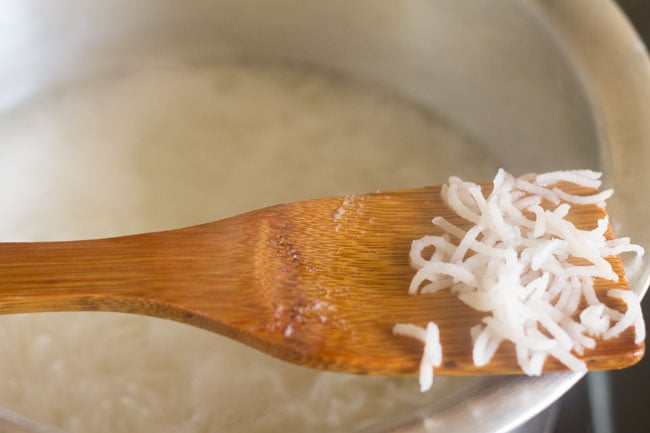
(544, 84)
(615, 72)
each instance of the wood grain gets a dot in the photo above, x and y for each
(319, 283)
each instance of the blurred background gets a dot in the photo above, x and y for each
(613, 402)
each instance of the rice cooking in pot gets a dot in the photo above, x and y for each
(173, 145)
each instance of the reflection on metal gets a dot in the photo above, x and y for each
(600, 401)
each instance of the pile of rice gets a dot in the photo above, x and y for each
(527, 268)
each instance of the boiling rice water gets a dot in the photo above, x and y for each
(172, 145)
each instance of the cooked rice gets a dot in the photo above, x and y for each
(515, 268)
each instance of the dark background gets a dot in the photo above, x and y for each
(629, 399)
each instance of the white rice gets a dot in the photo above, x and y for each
(520, 274)
(432, 356)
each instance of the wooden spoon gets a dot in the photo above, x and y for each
(318, 283)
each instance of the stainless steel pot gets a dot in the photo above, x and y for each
(543, 84)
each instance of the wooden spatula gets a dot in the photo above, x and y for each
(319, 283)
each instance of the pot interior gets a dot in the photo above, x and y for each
(120, 118)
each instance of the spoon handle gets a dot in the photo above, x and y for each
(72, 275)
(146, 274)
